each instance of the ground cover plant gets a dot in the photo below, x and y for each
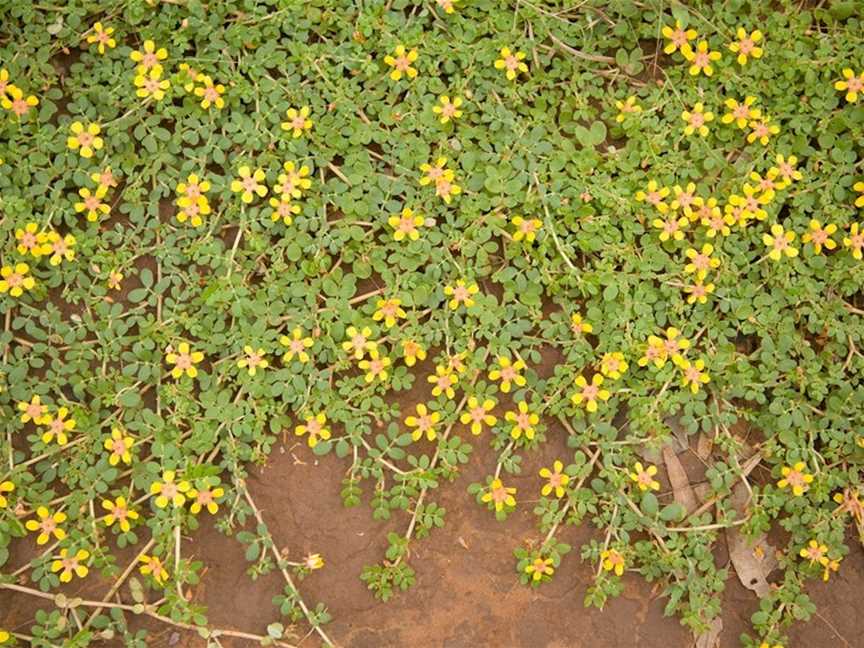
(229, 225)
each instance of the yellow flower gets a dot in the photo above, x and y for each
(17, 102)
(47, 525)
(151, 565)
(102, 36)
(389, 310)
(477, 414)
(119, 511)
(655, 196)
(672, 227)
(764, 644)
(556, 480)
(296, 345)
(444, 380)
(249, 184)
(151, 85)
(786, 170)
(120, 446)
(500, 495)
(283, 209)
(740, 114)
(293, 182)
(412, 352)
(815, 552)
(210, 92)
(701, 261)
(780, 242)
(613, 560)
(686, 199)
(701, 59)
(508, 373)
(855, 243)
(746, 45)
(4, 635)
(852, 85)
(316, 427)
(436, 173)
(192, 191)
(92, 203)
(588, 395)
(16, 279)
(655, 352)
(674, 344)
(448, 109)
(539, 567)
(194, 211)
(627, 107)
(578, 326)
(68, 565)
(523, 421)
(184, 361)
(313, 562)
(820, 236)
(693, 374)
(253, 360)
(358, 342)
(678, 37)
(5, 488)
(298, 121)
(613, 365)
(697, 120)
(85, 140)
(406, 225)
(456, 362)
(698, 292)
(114, 279)
(762, 130)
(205, 497)
(33, 411)
(526, 228)
(58, 247)
(30, 240)
(57, 426)
(149, 57)
(169, 491)
(425, 422)
(375, 366)
(512, 62)
(833, 565)
(644, 477)
(461, 293)
(716, 221)
(401, 63)
(189, 75)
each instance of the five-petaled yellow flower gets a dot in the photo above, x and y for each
(34, 411)
(613, 365)
(401, 61)
(412, 352)
(16, 101)
(297, 121)
(851, 84)
(406, 225)
(249, 184)
(797, 478)
(478, 413)
(627, 107)
(149, 57)
(762, 129)
(513, 63)
(747, 45)
(69, 565)
(526, 228)
(209, 92)
(500, 495)
(389, 310)
(672, 227)
(85, 139)
(539, 567)
(120, 446)
(677, 36)
(693, 374)
(153, 566)
(253, 360)
(655, 353)
(815, 553)
(424, 423)
(16, 279)
(820, 236)
(184, 361)
(283, 209)
(654, 195)
(151, 85)
(701, 261)
(375, 366)
(444, 380)
(742, 113)
(698, 292)
(316, 427)
(449, 109)
(508, 373)
(523, 421)
(91, 202)
(461, 293)
(169, 491)
(102, 36)
(613, 560)
(588, 394)
(296, 344)
(293, 182)
(57, 426)
(644, 477)
(57, 248)
(701, 59)
(780, 242)
(555, 478)
(205, 497)
(30, 239)
(359, 342)
(119, 512)
(47, 524)
(697, 120)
